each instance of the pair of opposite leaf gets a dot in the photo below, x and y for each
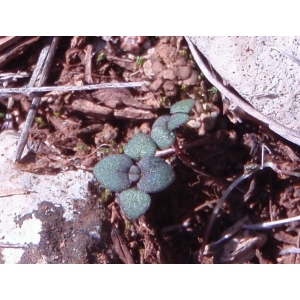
(118, 172)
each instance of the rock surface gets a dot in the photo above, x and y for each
(261, 71)
(33, 205)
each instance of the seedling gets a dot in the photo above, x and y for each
(183, 53)
(184, 87)
(101, 57)
(82, 148)
(40, 121)
(105, 196)
(164, 101)
(139, 61)
(138, 172)
(213, 90)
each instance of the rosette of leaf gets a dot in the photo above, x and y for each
(140, 146)
(156, 175)
(134, 203)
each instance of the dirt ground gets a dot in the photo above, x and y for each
(74, 130)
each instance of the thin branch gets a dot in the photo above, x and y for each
(35, 102)
(73, 88)
(9, 245)
(268, 225)
(291, 250)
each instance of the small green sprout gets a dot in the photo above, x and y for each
(40, 121)
(101, 57)
(127, 225)
(201, 76)
(120, 150)
(105, 196)
(183, 53)
(57, 113)
(82, 147)
(2, 115)
(213, 90)
(164, 101)
(105, 151)
(139, 61)
(184, 87)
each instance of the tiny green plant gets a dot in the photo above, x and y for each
(139, 61)
(184, 87)
(138, 173)
(40, 121)
(101, 57)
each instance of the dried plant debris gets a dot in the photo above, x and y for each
(153, 209)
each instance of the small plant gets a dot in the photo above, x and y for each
(105, 196)
(184, 87)
(139, 61)
(40, 121)
(138, 172)
(82, 147)
(164, 101)
(101, 57)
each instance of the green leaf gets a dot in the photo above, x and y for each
(112, 172)
(134, 203)
(160, 133)
(134, 173)
(183, 106)
(177, 120)
(157, 175)
(140, 146)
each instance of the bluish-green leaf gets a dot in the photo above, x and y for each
(177, 120)
(140, 146)
(157, 175)
(183, 106)
(134, 203)
(134, 173)
(160, 133)
(112, 172)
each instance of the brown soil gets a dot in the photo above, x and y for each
(83, 127)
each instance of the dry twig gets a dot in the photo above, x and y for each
(45, 59)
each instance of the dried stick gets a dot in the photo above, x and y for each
(47, 59)
(9, 245)
(28, 90)
(268, 225)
